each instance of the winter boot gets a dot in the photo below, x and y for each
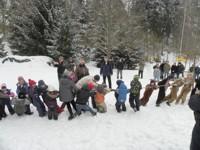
(168, 103)
(50, 114)
(55, 115)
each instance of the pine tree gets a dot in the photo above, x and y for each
(36, 27)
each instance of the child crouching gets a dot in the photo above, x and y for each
(83, 96)
(51, 102)
(20, 103)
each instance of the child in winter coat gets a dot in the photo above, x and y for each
(188, 84)
(101, 91)
(34, 95)
(83, 95)
(7, 101)
(19, 103)
(22, 87)
(2, 105)
(136, 86)
(51, 102)
(121, 95)
(174, 90)
(148, 92)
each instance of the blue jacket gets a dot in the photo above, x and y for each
(106, 69)
(22, 88)
(122, 91)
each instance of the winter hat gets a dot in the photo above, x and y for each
(85, 86)
(66, 73)
(90, 86)
(152, 81)
(3, 85)
(96, 77)
(51, 88)
(20, 78)
(41, 84)
(31, 82)
(118, 82)
(136, 77)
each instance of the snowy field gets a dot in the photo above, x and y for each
(163, 128)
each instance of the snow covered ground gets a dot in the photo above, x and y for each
(163, 128)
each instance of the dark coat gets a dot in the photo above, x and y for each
(162, 88)
(81, 71)
(83, 96)
(194, 104)
(60, 68)
(67, 89)
(173, 69)
(120, 65)
(22, 88)
(106, 69)
(50, 100)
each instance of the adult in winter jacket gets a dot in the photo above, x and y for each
(35, 98)
(161, 67)
(148, 92)
(120, 67)
(60, 66)
(122, 92)
(67, 90)
(180, 70)
(194, 104)
(163, 85)
(197, 72)
(107, 71)
(83, 95)
(136, 86)
(172, 96)
(81, 70)
(22, 87)
(188, 84)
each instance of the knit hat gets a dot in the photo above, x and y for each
(3, 85)
(31, 82)
(42, 85)
(20, 78)
(118, 82)
(96, 77)
(51, 88)
(100, 88)
(136, 77)
(90, 86)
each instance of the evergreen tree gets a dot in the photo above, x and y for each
(36, 27)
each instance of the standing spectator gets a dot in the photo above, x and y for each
(141, 69)
(60, 66)
(120, 67)
(81, 70)
(136, 86)
(107, 71)
(22, 87)
(166, 69)
(173, 70)
(180, 70)
(156, 72)
(194, 104)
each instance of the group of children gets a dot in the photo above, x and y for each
(76, 95)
